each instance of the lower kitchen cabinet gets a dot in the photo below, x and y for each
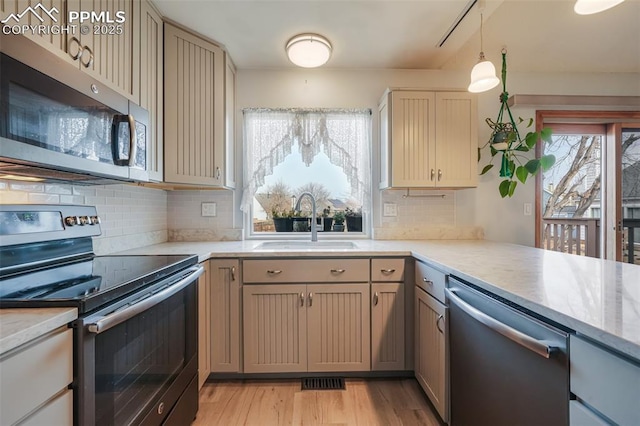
(225, 315)
(204, 324)
(35, 381)
(387, 327)
(300, 328)
(431, 350)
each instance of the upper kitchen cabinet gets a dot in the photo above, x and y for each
(195, 73)
(152, 87)
(105, 45)
(428, 139)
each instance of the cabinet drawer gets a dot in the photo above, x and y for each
(579, 415)
(305, 271)
(58, 412)
(431, 280)
(391, 270)
(33, 375)
(605, 381)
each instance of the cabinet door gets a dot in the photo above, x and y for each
(55, 15)
(225, 315)
(430, 346)
(412, 139)
(194, 109)
(108, 56)
(152, 87)
(275, 328)
(456, 139)
(204, 324)
(339, 327)
(230, 122)
(387, 326)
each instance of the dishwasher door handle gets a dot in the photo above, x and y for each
(531, 343)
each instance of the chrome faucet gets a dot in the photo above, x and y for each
(314, 229)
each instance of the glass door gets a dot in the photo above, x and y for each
(628, 200)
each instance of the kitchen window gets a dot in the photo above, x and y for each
(322, 151)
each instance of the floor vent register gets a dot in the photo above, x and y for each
(323, 383)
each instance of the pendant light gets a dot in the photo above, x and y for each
(589, 7)
(483, 74)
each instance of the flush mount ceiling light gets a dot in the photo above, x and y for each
(308, 50)
(483, 74)
(589, 7)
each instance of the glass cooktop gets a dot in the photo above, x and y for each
(90, 283)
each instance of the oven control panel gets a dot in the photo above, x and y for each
(81, 220)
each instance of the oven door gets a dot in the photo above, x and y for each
(138, 359)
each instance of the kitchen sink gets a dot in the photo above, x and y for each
(306, 245)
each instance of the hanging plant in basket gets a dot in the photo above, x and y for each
(505, 141)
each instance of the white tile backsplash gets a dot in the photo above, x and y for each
(132, 216)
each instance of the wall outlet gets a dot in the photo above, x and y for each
(208, 209)
(527, 209)
(390, 210)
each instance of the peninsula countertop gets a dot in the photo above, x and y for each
(599, 299)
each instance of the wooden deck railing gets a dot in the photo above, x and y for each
(576, 236)
(582, 237)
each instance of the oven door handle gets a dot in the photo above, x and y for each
(109, 321)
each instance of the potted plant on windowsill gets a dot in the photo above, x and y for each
(327, 221)
(301, 222)
(338, 222)
(354, 219)
(283, 221)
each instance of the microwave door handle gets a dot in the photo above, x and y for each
(535, 345)
(133, 146)
(106, 322)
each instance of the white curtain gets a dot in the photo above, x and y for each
(343, 135)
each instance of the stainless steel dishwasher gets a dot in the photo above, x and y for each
(507, 367)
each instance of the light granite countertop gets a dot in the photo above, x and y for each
(599, 299)
(19, 326)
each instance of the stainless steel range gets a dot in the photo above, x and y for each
(135, 341)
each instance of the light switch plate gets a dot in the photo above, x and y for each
(527, 209)
(208, 209)
(390, 210)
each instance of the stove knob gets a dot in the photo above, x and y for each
(71, 220)
(84, 220)
(95, 220)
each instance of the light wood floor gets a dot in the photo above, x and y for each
(364, 402)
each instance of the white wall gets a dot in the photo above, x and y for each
(502, 219)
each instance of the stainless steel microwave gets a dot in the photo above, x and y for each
(59, 123)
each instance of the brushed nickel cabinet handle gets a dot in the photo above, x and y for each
(440, 317)
(433, 174)
(428, 281)
(387, 271)
(233, 273)
(439, 174)
(375, 299)
(337, 271)
(218, 173)
(274, 271)
(90, 61)
(79, 52)
(301, 299)
(310, 299)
